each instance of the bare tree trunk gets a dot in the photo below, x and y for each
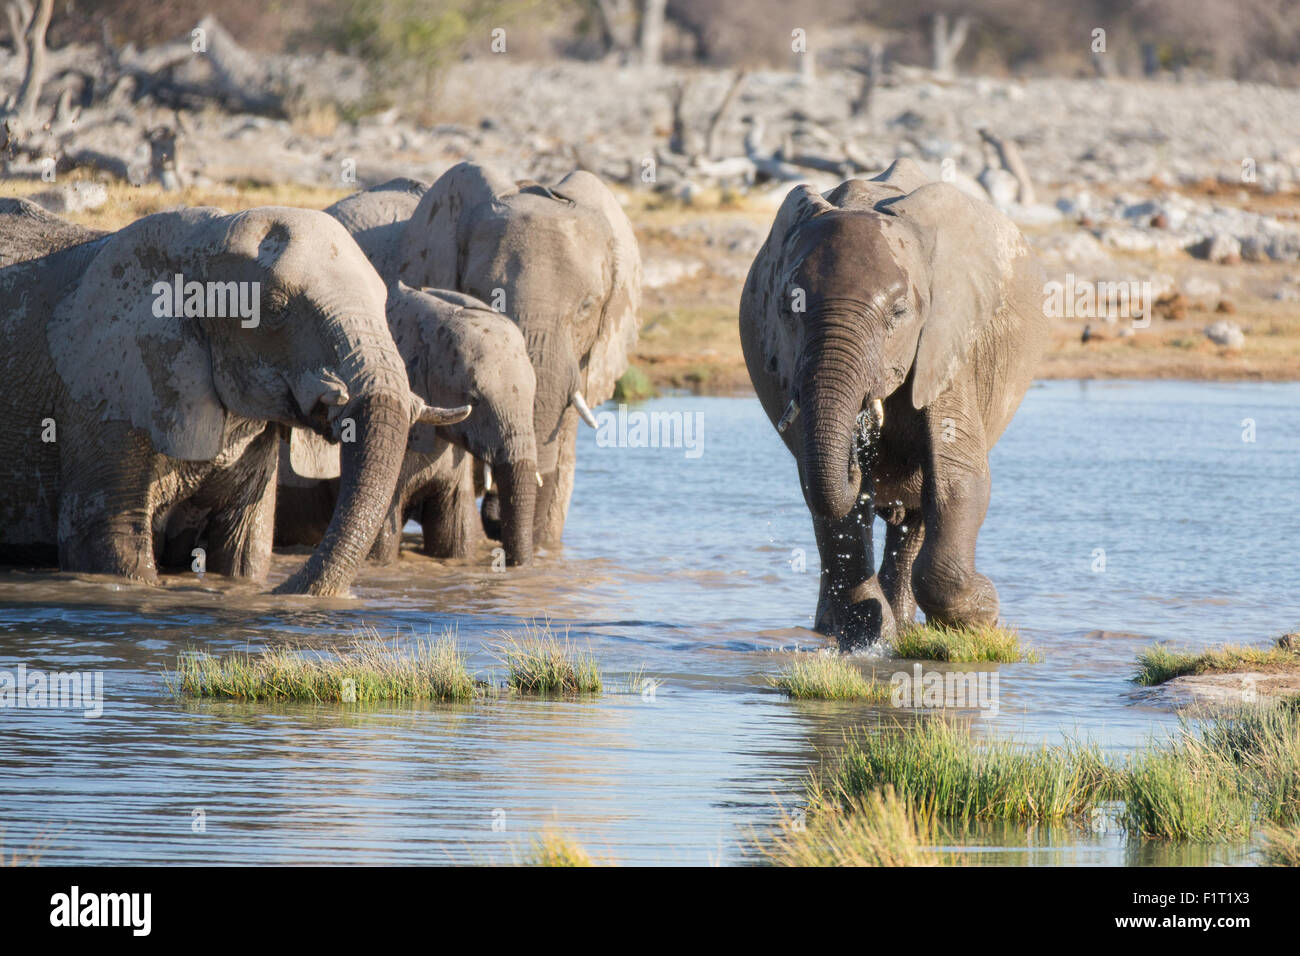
(1009, 157)
(618, 23)
(865, 104)
(34, 74)
(652, 31)
(945, 44)
(715, 124)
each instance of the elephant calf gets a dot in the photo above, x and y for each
(457, 352)
(891, 328)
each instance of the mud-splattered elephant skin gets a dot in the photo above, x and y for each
(891, 328)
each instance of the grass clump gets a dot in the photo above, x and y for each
(828, 677)
(880, 829)
(554, 849)
(539, 663)
(1157, 664)
(1185, 792)
(1262, 741)
(961, 645)
(1281, 846)
(634, 386)
(936, 766)
(371, 670)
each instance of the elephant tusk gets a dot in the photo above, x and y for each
(791, 413)
(540, 483)
(584, 412)
(487, 477)
(878, 412)
(435, 415)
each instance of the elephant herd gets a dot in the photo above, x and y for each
(286, 376)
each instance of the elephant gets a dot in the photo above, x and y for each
(29, 231)
(457, 352)
(161, 362)
(891, 328)
(561, 261)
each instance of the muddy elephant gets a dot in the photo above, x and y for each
(561, 261)
(457, 352)
(891, 328)
(159, 363)
(29, 231)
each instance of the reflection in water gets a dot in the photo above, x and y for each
(686, 567)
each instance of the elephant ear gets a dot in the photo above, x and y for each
(311, 456)
(975, 258)
(432, 248)
(620, 316)
(121, 350)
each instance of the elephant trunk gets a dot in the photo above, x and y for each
(516, 483)
(555, 362)
(833, 385)
(373, 429)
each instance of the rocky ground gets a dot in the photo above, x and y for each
(1191, 188)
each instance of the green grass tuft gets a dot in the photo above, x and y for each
(961, 645)
(371, 670)
(537, 662)
(634, 386)
(554, 849)
(1157, 664)
(880, 829)
(937, 767)
(1185, 792)
(828, 677)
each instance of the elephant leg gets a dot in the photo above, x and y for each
(388, 543)
(903, 536)
(449, 515)
(954, 499)
(241, 528)
(851, 604)
(106, 505)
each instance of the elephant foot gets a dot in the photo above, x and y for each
(974, 603)
(857, 619)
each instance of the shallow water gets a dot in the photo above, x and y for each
(683, 566)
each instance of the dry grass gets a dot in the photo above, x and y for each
(555, 849)
(878, 829)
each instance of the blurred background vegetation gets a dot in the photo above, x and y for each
(1249, 39)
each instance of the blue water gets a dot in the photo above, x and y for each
(685, 567)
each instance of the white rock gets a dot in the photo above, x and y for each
(1226, 333)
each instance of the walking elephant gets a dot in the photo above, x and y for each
(159, 363)
(457, 352)
(562, 262)
(891, 328)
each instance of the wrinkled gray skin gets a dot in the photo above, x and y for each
(150, 411)
(561, 261)
(29, 231)
(929, 300)
(458, 352)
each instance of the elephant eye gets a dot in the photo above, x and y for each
(277, 300)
